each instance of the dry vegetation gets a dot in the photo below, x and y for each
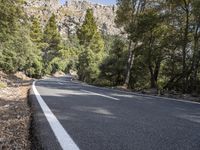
(14, 111)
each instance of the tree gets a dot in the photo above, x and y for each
(88, 29)
(15, 43)
(127, 15)
(35, 65)
(112, 68)
(196, 46)
(184, 19)
(153, 34)
(52, 39)
(185, 8)
(36, 33)
(10, 14)
(93, 45)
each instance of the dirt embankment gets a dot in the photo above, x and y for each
(14, 111)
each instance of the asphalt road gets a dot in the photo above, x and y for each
(105, 119)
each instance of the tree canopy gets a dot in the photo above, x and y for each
(93, 45)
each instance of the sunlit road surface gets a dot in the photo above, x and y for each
(72, 115)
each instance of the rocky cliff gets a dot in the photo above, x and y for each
(71, 15)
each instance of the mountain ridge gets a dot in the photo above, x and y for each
(71, 15)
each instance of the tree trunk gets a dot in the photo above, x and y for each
(153, 82)
(184, 47)
(128, 70)
(131, 57)
(195, 61)
(140, 8)
(153, 69)
(154, 74)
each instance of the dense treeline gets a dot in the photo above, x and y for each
(27, 46)
(163, 43)
(159, 47)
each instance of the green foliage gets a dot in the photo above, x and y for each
(35, 66)
(160, 49)
(92, 55)
(88, 30)
(125, 11)
(139, 74)
(163, 47)
(108, 42)
(25, 47)
(10, 14)
(112, 68)
(36, 33)
(87, 67)
(19, 50)
(16, 46)
(52, 40)
(19, 54)
(51, 34)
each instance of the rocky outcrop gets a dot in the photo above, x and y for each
(41, 8)
(71, 15)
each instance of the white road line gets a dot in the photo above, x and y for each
(93, 93)
(61, 134)
(60, 83)
(160, 98)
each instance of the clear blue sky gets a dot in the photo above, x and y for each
(105, 2)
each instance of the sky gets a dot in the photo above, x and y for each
(104, 2)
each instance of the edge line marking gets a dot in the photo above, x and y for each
(61, 134)
(160, 98)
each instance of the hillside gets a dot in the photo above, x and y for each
(71, 15)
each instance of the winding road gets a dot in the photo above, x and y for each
(71, 115)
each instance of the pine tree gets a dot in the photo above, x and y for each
(36, 33)
(92, 56)
(18, 51)
(13, 38)
(51, 34)
(88, 29)
(10, 14)
(52, 39)
(34, 64)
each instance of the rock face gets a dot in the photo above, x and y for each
(71, 15)
(42, 9)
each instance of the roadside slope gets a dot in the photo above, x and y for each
(14, 112)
